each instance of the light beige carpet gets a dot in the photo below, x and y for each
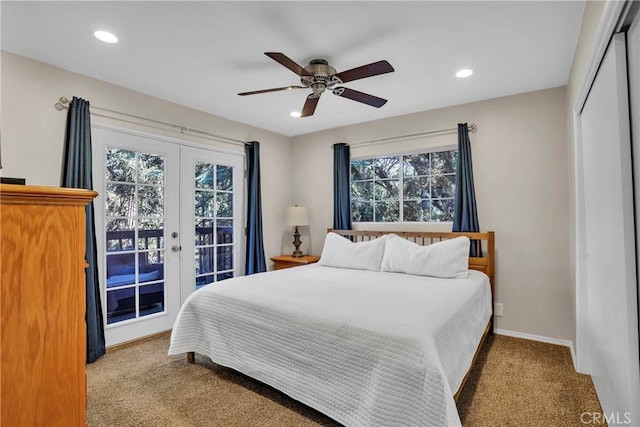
(514, 383)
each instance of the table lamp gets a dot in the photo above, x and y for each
(296, 215)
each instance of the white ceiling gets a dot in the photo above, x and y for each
(201, 54)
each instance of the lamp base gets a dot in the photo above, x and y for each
(296, 243)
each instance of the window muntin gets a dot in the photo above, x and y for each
(424, 182)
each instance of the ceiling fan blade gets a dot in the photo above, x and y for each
(275, 89)
(284, 60)
(355, 95)
(310, 105)
(374, 69)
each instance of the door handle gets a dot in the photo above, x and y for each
(176, 248)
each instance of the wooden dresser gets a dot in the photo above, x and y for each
(288, 261)
(42, 306)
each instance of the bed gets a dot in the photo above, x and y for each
(363, 346)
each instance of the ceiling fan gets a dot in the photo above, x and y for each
(320, 76)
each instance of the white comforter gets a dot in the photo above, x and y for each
(365, 348)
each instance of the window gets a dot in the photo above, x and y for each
(425, 184)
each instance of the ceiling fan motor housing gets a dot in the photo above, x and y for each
(322, 76)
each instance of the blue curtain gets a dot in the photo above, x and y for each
(255, 247)
(465, 215)
(341, 187)
(77, 174)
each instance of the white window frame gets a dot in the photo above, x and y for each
(441, 148)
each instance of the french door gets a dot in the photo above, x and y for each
(165, 227)
(212, 185)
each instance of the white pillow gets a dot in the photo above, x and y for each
(343, 253)
(445, 259)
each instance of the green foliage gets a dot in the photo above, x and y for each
(135, 184)
(427, 181)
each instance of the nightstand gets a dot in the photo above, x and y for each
(288, 261)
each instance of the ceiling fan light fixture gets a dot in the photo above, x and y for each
(106, 36)
(320, 76)
(464, 73)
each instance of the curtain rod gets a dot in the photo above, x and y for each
(472, 128)
(60, 105)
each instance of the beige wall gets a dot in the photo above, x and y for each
(520, 160)
(593, 12)
(33, 130)
(520, 167)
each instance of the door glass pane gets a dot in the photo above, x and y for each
(134, 197)
(150, 200)
(122, 235)
(150, 258)
(121, 270)
(151, 233)
(205, 204)
(224, 204)
(213, 213)
(204, 232)
(121, 305)
(223, 276)
(225, 258)
(224, 178)
(224, 231)
(204, 260)
(204, 280)
(204, 175)
(151, 299)
(120, 165)
(151, 169)
(120, 199)
(151, 266)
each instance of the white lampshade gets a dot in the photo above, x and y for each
(296, 215)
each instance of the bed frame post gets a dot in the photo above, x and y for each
(492, 277)
(191, 357)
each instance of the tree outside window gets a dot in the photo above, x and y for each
(424, 182)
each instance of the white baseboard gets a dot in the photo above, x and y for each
(540, 338)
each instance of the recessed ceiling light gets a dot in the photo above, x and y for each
(464, 73)
(106, 37)
(295, 114)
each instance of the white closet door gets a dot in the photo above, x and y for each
(633, 56)
(610, 237)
